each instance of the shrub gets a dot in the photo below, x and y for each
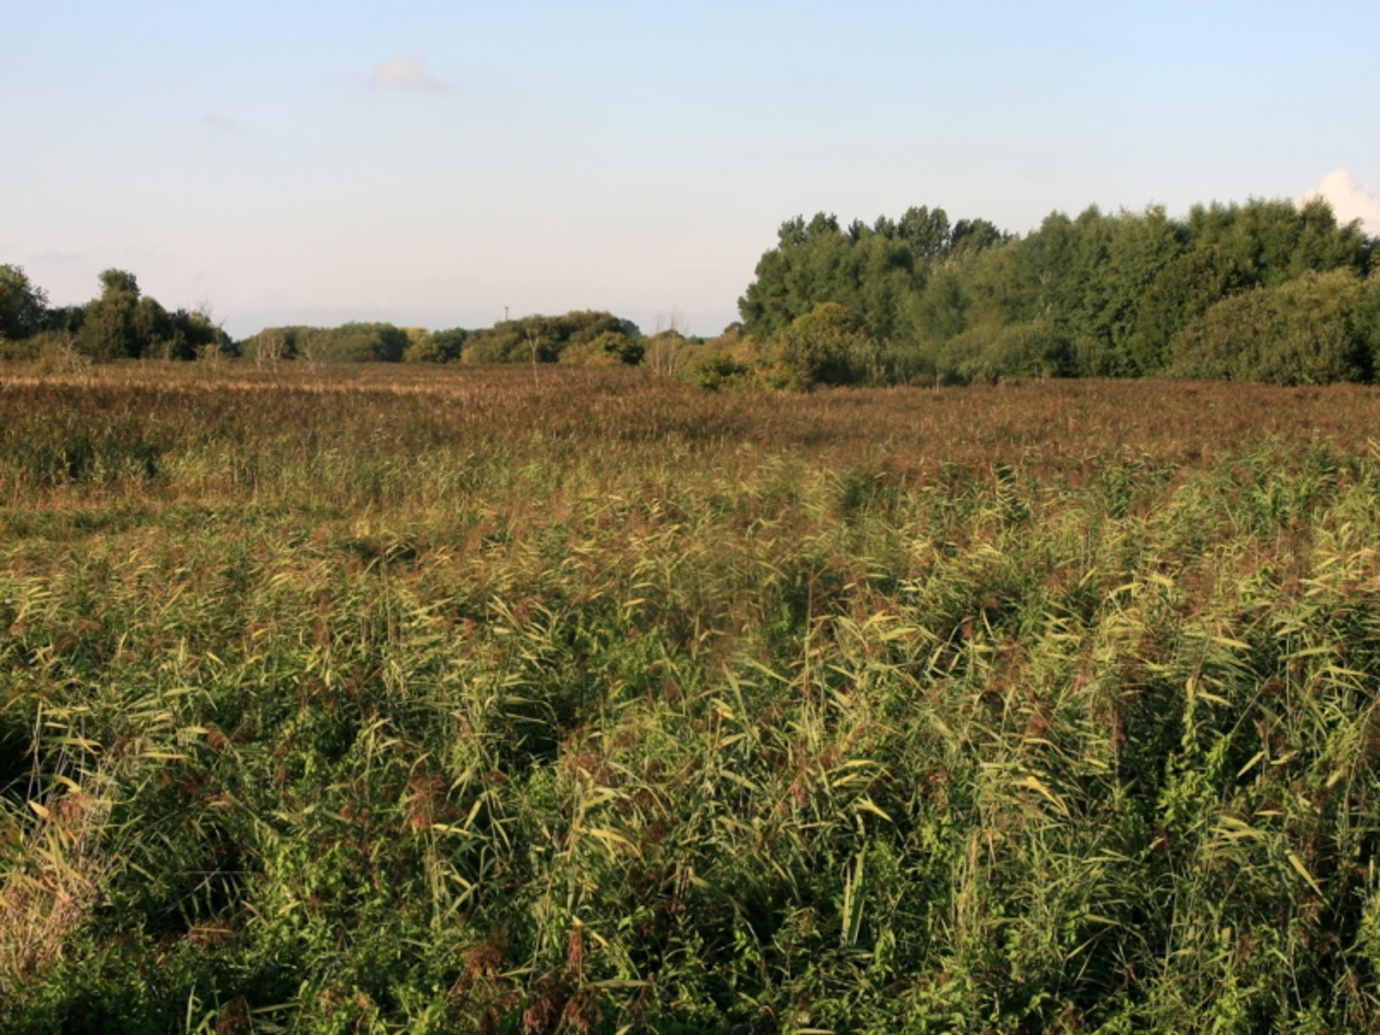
(57, 354)
(23, 348)
(1310, 330)
(365, 343)
(610, 349)
(515, 341)
(719, 369)
(670, 353)
(986, 355)
(814, 349)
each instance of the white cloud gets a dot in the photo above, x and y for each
(219, 123)
(406, 73)
(1349, 200)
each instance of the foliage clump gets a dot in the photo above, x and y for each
(1315, 329)
(435, 346)
(545, 338)
(348, 343)
(609, 349)
(23, 305)
(827, 346)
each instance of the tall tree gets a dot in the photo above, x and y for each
(23, 305)
(109, 328)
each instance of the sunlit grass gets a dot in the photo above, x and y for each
(386, 700)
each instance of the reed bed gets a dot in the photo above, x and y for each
(385, 700)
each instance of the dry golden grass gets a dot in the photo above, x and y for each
(50, 892)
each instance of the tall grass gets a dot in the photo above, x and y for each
(455, 703)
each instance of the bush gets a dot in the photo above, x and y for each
(986, 355)
(349, 343)
(23, 348)
(814, 349)
(610, 349)
(1310, 330)
(515, 341)
(1365, 319)
(716, 369)
(58, 354)
(365, 343)
(827, 346)
(438, 347)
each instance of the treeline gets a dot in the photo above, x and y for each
(585, 337)
(120, 323)
(1266, 291)
(123, 323)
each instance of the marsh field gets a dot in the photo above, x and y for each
(377, 699)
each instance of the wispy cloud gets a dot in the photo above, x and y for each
(219, 123)
(406, 73)
(1349, 200)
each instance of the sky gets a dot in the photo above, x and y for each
(434, 163)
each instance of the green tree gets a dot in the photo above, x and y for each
(815, 348)
(124, 323)
(1310, 330)
(23, 305)
(109, 328)
(365, 343)
(876, 272)
(511, 341)
(927, 234)
(192, 333)
(1274, 241)
(1181, 291)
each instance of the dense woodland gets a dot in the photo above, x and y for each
(1266, 291)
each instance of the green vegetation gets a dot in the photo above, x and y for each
(585, 338)
(1101, 295)
(432, 699)
(587, 335)
(23, 306)
(349, 343)
(1267, 291)
(122, 323)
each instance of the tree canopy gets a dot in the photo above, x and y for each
(120, 323)
(1125, 294)
(23, 306)
(545, 337)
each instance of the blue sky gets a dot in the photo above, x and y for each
(429, 163)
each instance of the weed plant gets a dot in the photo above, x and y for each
(444, 701)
